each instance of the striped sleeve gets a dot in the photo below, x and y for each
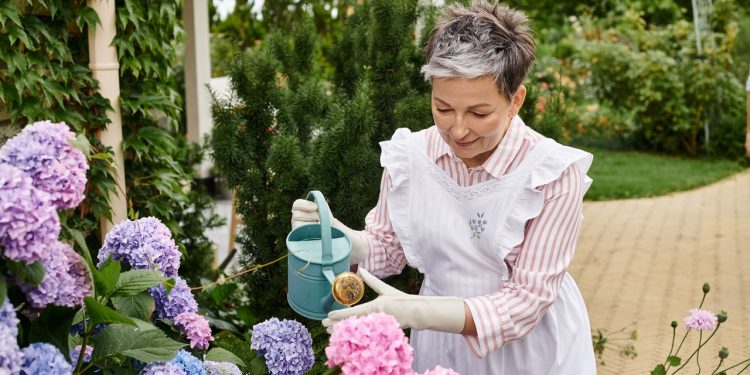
(537, 271)
(386, 256)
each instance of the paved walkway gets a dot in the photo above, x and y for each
(647, 259)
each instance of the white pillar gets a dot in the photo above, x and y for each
(105, 69)
(197, 75)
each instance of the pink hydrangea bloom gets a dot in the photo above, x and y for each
(440, 371)
(196, 328)
(373, 344)
(701, 320)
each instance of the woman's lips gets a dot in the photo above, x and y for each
(465, 144)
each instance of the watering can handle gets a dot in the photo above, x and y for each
(325, 225)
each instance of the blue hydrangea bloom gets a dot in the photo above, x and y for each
(161, 368)
(73, 353)
(179, 300)
(44, 359)
(28, 221)
(66, 280)
(286, 345)
(188, 363)
(145, 243)
(42, 150)
(10, 354)
(221, 368)
(8, 317)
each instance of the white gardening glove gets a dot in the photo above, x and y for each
(445, 314)
(306, 212)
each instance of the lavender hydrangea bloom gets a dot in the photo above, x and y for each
(75, 352)
(66, 280)
(145, 243)
(286, 346)
(27, 219)
(10, 354)
(160, 368)
(179, 300)
(42, 359)
(196, 328)
(42, 151)
(221, 368)
(188, 363)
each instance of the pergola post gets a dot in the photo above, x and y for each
(198, 75)
(105, 69)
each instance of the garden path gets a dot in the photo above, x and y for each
(647, 259)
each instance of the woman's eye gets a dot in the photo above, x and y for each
(444, 110)
(480, 115)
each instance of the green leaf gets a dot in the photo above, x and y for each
(102, 314)
(82, 143)
(258, 366)
(53, 326)
(222, 324)
(88, 17)
(246, 315)
(29, 273)
(139, 305)
(105, 279)
(220, 292)
(144, 345)
(136, 281)
(3, 289)
(659, 370)
(674, 360)
(223, 355)
(81, 241)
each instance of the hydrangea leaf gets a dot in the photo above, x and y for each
(102, 314)
(53, 326)
(3, 289)
(32, 274)
(139, 305)
(223, 355)
(107, 276)
(144, 345)
(136, 281)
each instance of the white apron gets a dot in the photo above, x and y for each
(458, 237)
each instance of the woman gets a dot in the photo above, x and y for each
(485, 207)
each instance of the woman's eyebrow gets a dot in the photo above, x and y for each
(475, 106)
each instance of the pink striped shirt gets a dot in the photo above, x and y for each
(537, 265)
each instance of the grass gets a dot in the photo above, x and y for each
(632, 174)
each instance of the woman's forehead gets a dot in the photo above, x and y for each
(466, 92)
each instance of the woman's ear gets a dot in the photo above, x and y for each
(517, 100)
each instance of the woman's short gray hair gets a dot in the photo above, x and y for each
(479, 40)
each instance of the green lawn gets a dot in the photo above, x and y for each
(631, 174)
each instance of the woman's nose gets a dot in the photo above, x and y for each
(459, 129)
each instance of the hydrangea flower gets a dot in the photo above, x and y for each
(179, 300)
(43, 359)
(145, 243)
(188, 363)
(286, 345)
(221, 368)
(196, 328)
(440, 371)
(75, 352)
(10, 354)
(65, 282)
(27, 219)
(160, 368)
(373, 344)
(701, 320)
(42, 150)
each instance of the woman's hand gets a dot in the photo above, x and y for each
(445, 314)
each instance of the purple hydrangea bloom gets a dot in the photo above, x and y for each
(42, 150)
(66, 280)
(179, 300)
(188, 363)
(75, 352)
(221, 368)
(145, 243)
(196, 328)
(43, 359)
(28, 222)
(286, 345)
(10, 354)
(160, 368)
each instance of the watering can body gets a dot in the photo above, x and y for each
(317, 253)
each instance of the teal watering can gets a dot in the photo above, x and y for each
(319, 280)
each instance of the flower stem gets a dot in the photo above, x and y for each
(743, 369)
(698, 352)
(717, 366)
(666, 363)
(674, 333)
(699, 348)
(86, 333)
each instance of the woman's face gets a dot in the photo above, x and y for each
(472, 115)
